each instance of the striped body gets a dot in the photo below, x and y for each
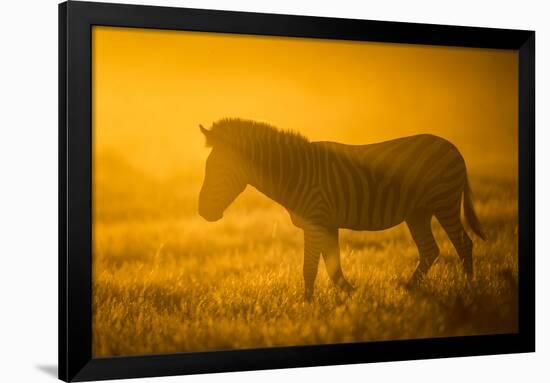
(327, 186)
(375, 187)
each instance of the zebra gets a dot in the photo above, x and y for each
(326, 186)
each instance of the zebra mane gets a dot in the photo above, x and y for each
(241, 134)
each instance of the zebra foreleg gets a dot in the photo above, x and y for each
(331, 255)
(420, 226)
(312, 251)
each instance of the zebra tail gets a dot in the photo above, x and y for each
(470, 213)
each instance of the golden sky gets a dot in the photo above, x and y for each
(151, 89)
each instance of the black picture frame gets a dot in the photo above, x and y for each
(75, 190)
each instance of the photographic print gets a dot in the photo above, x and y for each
(262, 191)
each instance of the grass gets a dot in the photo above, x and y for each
(175, 283)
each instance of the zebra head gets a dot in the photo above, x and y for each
(224, 178)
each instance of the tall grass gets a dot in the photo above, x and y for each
(172, 282)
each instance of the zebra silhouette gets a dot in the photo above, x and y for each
(326, 186)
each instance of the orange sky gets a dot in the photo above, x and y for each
(152, 88)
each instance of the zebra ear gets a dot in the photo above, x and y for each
(207, 134)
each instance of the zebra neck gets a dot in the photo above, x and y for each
(283, 174)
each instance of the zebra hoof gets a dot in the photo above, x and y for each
(349, 289)
(469, 278)
(412, 284)
(468, 269)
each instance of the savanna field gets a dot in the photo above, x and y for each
(165, 280)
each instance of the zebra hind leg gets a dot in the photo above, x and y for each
(420, 226)
(451, 223)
